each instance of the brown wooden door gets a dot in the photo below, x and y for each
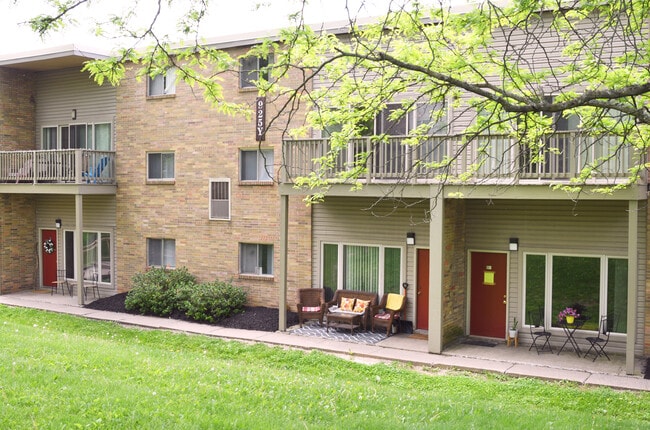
(48, 257)
(488, 302)
(422, 289)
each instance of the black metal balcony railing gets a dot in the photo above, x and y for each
(74, 166)
(437, 158)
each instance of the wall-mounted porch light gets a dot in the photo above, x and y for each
(57, 223)
(74, 114)
(410, 238)
(514, 244)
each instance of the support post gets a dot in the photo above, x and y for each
(78, 247)
(436, 258)
(632, 282)
(284, 241)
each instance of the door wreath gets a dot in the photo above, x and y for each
(48, 246)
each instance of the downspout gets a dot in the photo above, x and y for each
(632, 282)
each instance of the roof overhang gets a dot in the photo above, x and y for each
(57, 58)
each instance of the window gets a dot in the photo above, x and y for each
(160, 165)
(252, 69)
(162, 84)
(78, 136)
(255, 259)
(220, 199)
(50, 138)
(594, 285)
(96, 257)
(358, 267)
(432, 118)
(256, 165)
(161, 252)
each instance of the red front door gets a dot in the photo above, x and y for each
(422, 320)
(488, 302)
(48, 257)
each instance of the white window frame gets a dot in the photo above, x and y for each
(70, 254)
(548, 284)
(215, 204)
(263, 165)
(249, 72)
(340, 280)
(163, 84)
(162, 178)
(163, 255)
(90, 138)
(258, 269)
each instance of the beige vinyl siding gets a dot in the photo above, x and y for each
(555, 226)
(58, 92)
(361, 221)
(98, 211)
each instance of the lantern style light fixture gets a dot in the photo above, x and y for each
(57, 223)
(410, 238)
(514, 244)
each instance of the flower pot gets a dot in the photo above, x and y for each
(570, 319)
(512, 334)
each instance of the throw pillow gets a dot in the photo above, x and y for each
(347, 303)
(311, 308)
(360, 306)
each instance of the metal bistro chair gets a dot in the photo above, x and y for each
(537, 332)
(599, 342)
(92, 284)
(61, 281)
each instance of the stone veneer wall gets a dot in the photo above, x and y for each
(454, 306)
(18, 237)
(206, 144)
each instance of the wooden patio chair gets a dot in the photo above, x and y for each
(92, 284)
(311, 304)
(388, 311)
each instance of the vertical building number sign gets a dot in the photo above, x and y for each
(260, 118)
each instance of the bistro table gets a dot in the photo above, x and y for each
(569, 331)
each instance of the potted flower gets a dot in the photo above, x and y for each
(569, 315)
(513, 328)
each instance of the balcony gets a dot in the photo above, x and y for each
(486, 159)
(67, 166)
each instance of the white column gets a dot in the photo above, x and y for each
(79, 248)
(632, 282)
(436, 250)
(284, 241)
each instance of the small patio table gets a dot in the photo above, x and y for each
(569, 331)
(344, 320)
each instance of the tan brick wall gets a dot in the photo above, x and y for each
(646, 326)
(18, 243)
(454, 299)
(17, 108)
(206, 145)
(18, 237)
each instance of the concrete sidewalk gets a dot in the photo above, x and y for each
(404, 348)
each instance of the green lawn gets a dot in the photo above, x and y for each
(59, 371)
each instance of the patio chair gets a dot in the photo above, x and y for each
(538, 333)
(311, 304)
(61, 281)
(97, 171)
(24, 173)
(599, 342)
(388, 311)
(92, 284)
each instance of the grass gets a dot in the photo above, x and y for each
(60, 371)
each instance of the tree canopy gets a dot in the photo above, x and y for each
(515, 72)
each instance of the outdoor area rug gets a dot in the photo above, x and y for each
(479, 342)
(312, 329)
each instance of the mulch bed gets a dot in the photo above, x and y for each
(253, 317)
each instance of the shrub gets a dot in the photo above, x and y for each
(154, 291)
(211, 302)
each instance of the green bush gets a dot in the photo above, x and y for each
(154, 291)
(211, 302)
